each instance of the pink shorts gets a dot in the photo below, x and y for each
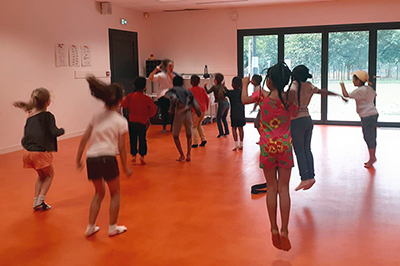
(276, 153)
(37, 159)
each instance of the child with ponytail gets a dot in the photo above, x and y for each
(301, 92)
(276, 157)
(39, 141)
(106, 135)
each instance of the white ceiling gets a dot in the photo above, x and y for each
(187, 5)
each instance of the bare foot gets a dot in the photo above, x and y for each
(180, 159)
(370, 163)
(276, 240)
(302, 185)
(310, 183)
(142, 161)
(188, 158)
(285, 242)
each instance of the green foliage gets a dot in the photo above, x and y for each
(388, 53)
(348, 52)
(266, 51)
(304, 49)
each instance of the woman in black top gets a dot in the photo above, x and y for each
(39, 141)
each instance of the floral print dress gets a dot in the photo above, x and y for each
(275, 138)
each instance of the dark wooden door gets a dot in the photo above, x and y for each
(124, 63)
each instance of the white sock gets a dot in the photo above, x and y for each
(35, 201)
(40, 199)
(237, 143)
(241, 144)
(112, 228)
(91, 229)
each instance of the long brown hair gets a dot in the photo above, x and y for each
(109, 94)
(39, 99)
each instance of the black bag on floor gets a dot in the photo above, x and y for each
(206, 120)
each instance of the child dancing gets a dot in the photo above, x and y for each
(365, 96)
(141, 108)
(238, 119)
(182, 102)
(106, 135)
(219, 90)
(202, 98)
(39, 141)
(276, 157)
(301, 92)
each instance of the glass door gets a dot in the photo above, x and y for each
(388, 80)
(259, 53)
(305, 49)
(348, 52)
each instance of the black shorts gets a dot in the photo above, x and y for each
(235, 122)
(102, 167)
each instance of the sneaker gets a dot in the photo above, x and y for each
(164, 130)
(45, 206)
(220, 135)
(240, 147)
(38, 207)
(142, 161)
(235, 148)
(195, 146)
(203, 143)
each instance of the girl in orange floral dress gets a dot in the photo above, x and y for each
(276, 158)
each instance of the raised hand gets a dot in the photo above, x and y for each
(158, 68)
(246, 80)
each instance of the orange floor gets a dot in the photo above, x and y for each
(202, 212)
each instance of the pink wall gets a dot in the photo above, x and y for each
(29, 31)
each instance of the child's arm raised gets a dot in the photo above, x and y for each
(155, 71)
(82, 146)
(246, 99)
(344, 91)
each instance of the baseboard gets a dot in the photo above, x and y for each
(18, 147)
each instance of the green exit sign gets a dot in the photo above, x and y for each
(124, 21)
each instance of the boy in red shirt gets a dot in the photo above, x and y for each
(203, 100)
(141, 107)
